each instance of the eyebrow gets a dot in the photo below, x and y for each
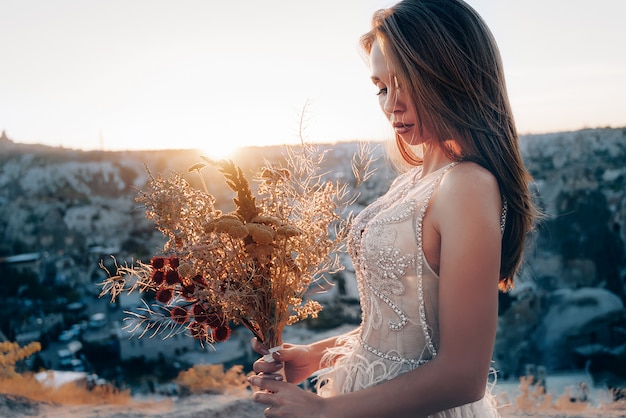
(375, 78)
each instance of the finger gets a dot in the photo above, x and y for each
(259, 347)
(269, 385)
(261, 366)
(274, 376)
(264, 397)
(269, 399)
(288, 353)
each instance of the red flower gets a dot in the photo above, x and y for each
(198, 330)
(174, 262)
(221, 334)
(164, 295)
(199, 280)
(199, 312)
(214, 319)
(158, 276)
(172, 277)
(188, 291)
(157, 262)
(179, 314)
(208, 315)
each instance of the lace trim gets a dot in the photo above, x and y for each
(391, 357)
(420, 263)
(404, 319)
(352, 370)
(505, 209)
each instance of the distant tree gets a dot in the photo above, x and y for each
(581, 223)
(583, 229)
(15, 283)
(611, 260)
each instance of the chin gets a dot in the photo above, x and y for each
(411, 140)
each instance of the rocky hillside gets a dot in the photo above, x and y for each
(73, 208)
(568, 308)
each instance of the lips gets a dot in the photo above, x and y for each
(402, 128)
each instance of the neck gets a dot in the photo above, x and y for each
(434, 159)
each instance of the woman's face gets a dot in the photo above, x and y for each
(396, 102)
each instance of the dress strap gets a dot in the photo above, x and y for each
(420, 260)
(505, 208)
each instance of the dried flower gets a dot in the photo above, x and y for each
(164, 295)
(288, 231)
(232, 226)
(198, 331)
(174, 262)
(185, 270)
(199, 280)
(270, 174)
(267, 220)
(157, 262)
(254, 266)
(188, 291)
(261, 253)
(261, 234)
(214, 319)
(221, 334)
(158, 276)
(199, 312)
(172, 277)
(179, 314)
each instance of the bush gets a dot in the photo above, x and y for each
(211, 378)
(11, 353)
(68, 394)
(26, 385)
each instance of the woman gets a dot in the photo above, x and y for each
(430, 254)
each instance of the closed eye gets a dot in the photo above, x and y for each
(382, 90)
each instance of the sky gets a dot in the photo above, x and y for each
(207, 74)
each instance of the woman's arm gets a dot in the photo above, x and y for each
(300, 361)
(466, 213)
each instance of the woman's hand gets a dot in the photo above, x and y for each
(286, 399)
(296, 360)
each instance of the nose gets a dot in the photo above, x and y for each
(393, 101)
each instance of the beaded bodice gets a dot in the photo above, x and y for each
(399, 296)
(398, 288)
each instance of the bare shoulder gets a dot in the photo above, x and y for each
(467, 193)
(469, 177)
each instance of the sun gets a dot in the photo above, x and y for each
(221, 151)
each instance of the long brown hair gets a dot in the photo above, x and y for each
(446, 57)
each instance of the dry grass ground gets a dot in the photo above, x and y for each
(26, 386)
(24, 396)
(214, 406)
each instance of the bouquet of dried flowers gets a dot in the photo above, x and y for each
(255, 266)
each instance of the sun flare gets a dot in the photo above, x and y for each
(221, 151)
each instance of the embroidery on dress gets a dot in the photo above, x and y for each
(385, 264)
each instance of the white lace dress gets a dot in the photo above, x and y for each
(398, 290)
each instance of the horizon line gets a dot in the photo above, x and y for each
(4, 137)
